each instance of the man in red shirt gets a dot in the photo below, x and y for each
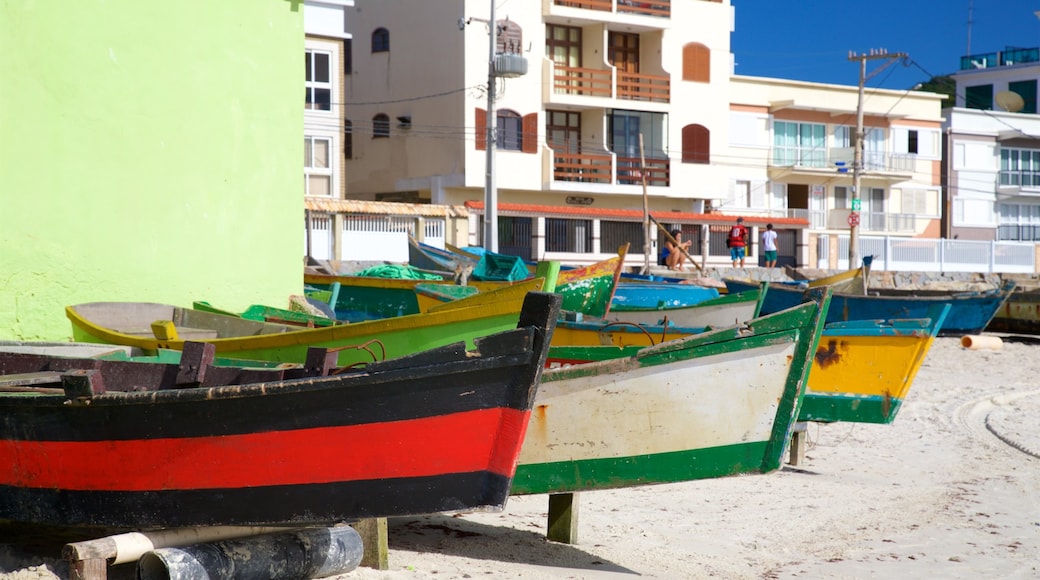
(737, 242)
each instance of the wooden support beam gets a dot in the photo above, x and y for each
(375, 542)
(798, 444)
(563, 518)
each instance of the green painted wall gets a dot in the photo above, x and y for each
(149, 151)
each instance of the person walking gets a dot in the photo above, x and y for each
(769, 246)
(737, 242)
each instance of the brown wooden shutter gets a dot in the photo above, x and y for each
(481, 128)
(696, 144)
(529, 141)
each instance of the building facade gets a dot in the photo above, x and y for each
(624, 106)
(991, 162)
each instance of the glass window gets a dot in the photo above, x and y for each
(509, 132)
(380, 40)
(803, 144)
(381, 125)
(1020, 167)
(979, 97)
(318, 80)
(348, 140)
(316, 167)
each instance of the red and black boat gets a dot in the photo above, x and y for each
(104, 444)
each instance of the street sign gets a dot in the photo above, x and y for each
(857, 204)
(853, 219)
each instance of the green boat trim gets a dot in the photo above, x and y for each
(856, 409)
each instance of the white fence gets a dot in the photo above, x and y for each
(935, 255)
(373, 238)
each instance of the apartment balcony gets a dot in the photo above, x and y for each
(606, 169)
(581, 82)
(656, 8)
(790, 161)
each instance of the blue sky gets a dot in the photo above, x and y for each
(806, 40)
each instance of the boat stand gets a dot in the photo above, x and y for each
(798, 443)
(563, 518)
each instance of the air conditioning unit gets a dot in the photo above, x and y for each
(510, 65)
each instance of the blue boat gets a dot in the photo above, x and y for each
(970, 312)
(660, 295)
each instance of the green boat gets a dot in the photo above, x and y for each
(713, 404)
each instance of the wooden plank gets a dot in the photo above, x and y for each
(29, 379)
(375, 541)
(563, 518)
(798, 444)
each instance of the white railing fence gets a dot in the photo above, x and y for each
(936, 255)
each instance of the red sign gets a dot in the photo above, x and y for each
(853, 219)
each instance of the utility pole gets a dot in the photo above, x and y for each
(490, 191)
(857, 160)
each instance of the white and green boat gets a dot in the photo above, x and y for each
(709, 405)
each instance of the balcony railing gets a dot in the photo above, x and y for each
(656, 171)
(841, 160)
(586, 168)
(592, 82)
(641, 87)
(657, 8)
(588, 82)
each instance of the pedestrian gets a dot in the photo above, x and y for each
(674, 254)
(769, 246)
(737, 242)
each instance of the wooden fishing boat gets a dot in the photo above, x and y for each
(441, 297)
(599, 332)
(363, 298)
(864, 369)
(265, 313)
(715, 404)
(786, 294)
(970, 312)
(107, 444)
(722, 311)
(1019, 314)
(659, 295)
(153, 326)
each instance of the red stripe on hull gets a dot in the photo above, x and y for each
(486, 439)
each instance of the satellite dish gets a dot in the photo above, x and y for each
(1010, 101)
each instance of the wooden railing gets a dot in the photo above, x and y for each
(589, 82)
(587, 168)
(603, 5)
(640, 87)
(657, 171)
(658, 8)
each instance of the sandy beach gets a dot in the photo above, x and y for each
(951, 489)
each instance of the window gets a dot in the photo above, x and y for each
(911, 141)
(1018, 222)
(563, 44)
(979, 97)
(1020, 167)
(563, 130)
(318, 80)
(917, 202)
(696, 144)
(696, 63)
(380, 40)
(841, 197)
(381, 125)
(803, 144)
(316, 168)
(1026, 90)
(567, 235)
(625, 129)
(509, 131)
(348, 140)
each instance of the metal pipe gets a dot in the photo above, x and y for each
(299, 554)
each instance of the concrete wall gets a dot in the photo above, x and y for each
(149, 151)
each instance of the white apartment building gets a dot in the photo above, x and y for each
(623, 103)
(992, 148)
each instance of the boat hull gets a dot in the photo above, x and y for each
(715, 404)
(862, 372)
(438, 431)
(718, 312)
(970, 312)
(127, 323)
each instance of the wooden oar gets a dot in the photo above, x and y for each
(676, 243)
